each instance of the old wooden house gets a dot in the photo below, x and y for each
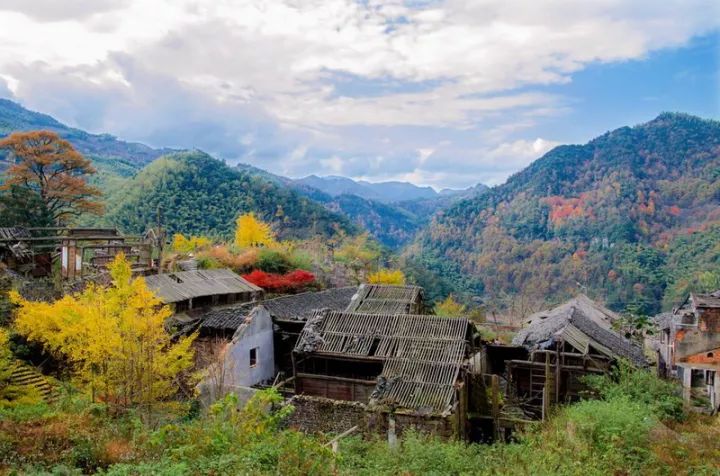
(393, 370)
(82, 252)
(565, 344)
(689, 347)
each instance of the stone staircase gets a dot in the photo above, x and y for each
(26, 375)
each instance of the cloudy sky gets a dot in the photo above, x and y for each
(442, 93)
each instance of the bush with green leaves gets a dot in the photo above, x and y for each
(639, 385)
(232, 440)
(272, 261)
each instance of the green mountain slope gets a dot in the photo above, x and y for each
(202, 195)
(607, 218)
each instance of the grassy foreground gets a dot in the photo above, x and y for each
(637, 425)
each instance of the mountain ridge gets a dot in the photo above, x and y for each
(14, 117)
(604, 216)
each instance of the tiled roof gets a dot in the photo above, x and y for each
(387, 299)
(175, 287)
(585, 316)
(421, 354)
(295, 307)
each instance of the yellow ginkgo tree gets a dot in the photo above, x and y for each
(450, 307)
(182, 244)
(114, 337)
(252, 232)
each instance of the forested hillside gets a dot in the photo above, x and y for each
(631, 217)
(201, 195)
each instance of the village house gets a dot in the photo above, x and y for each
(81, 251)
(566, 343)
(223, 326)
(689, 348)
(382, 373)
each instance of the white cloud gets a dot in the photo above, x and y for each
(259, 80)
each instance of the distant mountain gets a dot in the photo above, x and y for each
(632, 217)
(392, 224)
(464, 192)
(14, 117)
(202, 195)
(386, 192)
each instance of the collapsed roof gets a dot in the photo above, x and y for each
(583, 324)
(18, 249)
(387, 299)
(421, 354)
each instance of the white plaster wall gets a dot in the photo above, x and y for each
(256, 332)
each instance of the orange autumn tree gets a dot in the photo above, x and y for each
(114, 337)
(45, 165)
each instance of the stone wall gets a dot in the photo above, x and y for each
(377, 423)
(323, 415)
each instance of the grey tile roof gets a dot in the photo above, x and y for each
(421, 354)
(616, 343)
(295, 307)
(588, 317)
(182, 285)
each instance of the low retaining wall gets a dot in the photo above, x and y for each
(323, 415)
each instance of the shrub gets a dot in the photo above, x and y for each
(281, 283)
(450, 307)
(663, 397)
(241, 262)
(387, 276)
(207, 262)
(300, 259)
(181, 244)
(272, 261)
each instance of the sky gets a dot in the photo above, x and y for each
(440, 93)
